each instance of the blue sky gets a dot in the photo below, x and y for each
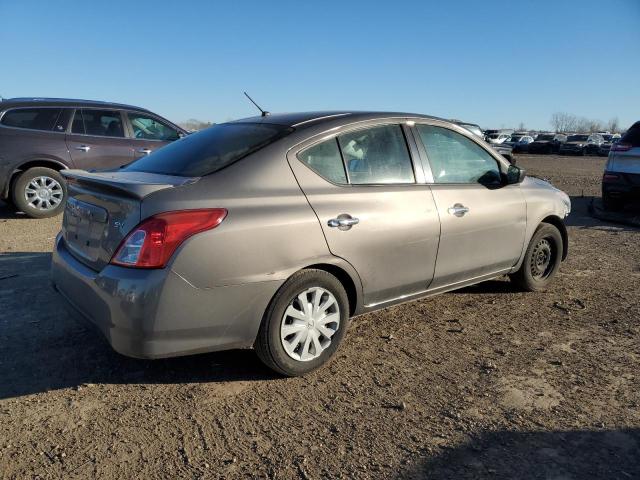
(496, 63)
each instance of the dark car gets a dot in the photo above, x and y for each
(621, 179)
(547, 143)
(39, 137)
(582, 144)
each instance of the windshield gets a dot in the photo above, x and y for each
(209, 150)
(607, 138)
(516, 138)
(578, 138)
(545, 137)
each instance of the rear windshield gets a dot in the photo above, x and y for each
(209, 150)
(545, 137)
(578, 138)
(632, 136)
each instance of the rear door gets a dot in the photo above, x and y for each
(97, 140)
(364, 189)
(483, 222)
(148, 132)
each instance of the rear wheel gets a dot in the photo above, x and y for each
(542, 259)
(304, 323)
(39, 192)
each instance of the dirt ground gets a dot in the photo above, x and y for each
(487, 382)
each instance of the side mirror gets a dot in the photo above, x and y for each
(515, 175)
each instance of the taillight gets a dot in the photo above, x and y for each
(621, 147)
(610, 178)
(151, 244)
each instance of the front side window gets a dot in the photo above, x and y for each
(324, 158)
(101, 123)
(32, 118)
(149, 128)
(377, 155)
(456, 159)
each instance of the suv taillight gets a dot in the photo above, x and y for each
(621, 147)
(151, 244)
(610, 178)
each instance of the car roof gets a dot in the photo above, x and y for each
(308, 119)
(62, 102)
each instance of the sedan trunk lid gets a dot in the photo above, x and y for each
(103, 207)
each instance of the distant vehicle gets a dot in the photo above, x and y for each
(39, 137)
(272, 232)
(497, 138)
(621, 179)
(472, 127)
(519, 143)
(547, 143)
(605, 147)
(582, 144)
(505, 150)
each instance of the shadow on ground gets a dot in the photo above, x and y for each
(554, 455)
(43, 348)
(581, 216)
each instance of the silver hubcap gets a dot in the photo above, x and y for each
(308, 324)
(43, 193)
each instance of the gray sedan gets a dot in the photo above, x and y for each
(272, 232)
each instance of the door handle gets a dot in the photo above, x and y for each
(343, 222)
(458, 210)
(146, 151)
(84, 148)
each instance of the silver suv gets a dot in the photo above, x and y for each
(272, 232)
(621, 179)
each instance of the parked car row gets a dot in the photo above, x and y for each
(547, 143)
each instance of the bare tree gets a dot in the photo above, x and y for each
(563, 122)
(614, 125)
(521, 126)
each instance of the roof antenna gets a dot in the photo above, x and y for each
(264, 112)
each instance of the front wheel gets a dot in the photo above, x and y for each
(304, 323)
(39, 192)
(541, 261)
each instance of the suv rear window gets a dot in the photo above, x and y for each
(210, 150)
(31, 118)
(632, 136)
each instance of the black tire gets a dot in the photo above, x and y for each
(536, 272)
(612, 204)
(269, 345)
(19, 194)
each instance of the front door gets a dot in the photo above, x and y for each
(97, 140)
(482, 220)
(362, 186)
(149, 133)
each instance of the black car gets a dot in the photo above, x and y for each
(547, 143)
(582, 144)
(41, 136)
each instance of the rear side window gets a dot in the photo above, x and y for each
(210, 150)
(377, 155)
(632, 136)
(325, 159)
(101, 123)
(456, 159)
(32, 118)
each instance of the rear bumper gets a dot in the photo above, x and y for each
(626, 188)
(157, 313)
